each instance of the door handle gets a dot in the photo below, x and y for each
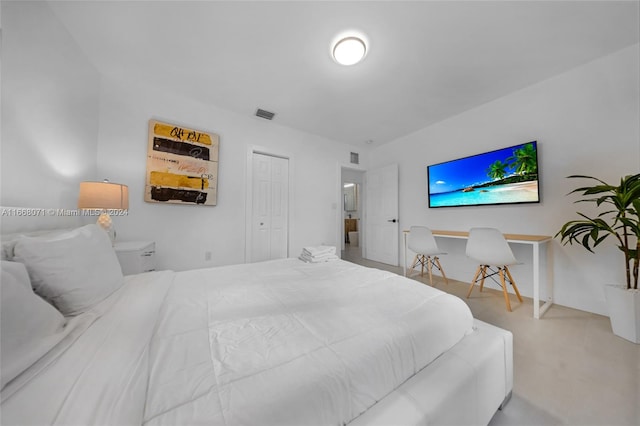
(392, 220)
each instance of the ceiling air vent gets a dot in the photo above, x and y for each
(355, 158)
(267, 115)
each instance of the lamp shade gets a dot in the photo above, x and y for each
(103, 195)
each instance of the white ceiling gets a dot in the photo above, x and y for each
(426, 60)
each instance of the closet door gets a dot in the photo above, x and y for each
(270, 205)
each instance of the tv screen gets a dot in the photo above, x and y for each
(504, 176)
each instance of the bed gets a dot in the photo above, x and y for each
(280, 342)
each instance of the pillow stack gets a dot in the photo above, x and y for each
(29, 326)
(72, 271)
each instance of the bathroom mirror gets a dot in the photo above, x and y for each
(350, 192)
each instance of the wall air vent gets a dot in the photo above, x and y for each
(267, 115)
(355, 158)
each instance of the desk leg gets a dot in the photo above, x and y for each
(538, 310)
(536, 281)
(549, 301)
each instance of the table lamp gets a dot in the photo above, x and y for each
(104, 196)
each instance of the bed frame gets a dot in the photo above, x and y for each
(465, 385)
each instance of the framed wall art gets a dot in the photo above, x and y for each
(182, 165)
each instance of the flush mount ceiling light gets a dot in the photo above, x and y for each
(349, 50)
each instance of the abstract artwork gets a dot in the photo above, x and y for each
(182, 165)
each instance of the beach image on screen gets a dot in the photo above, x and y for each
(504, 176)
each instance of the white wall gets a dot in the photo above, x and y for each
(56, 107)
(49, 111)
(585, 122)
(184, 233)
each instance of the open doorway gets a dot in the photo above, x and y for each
(352, 237)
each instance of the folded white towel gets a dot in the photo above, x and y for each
(315, 259)
(318, 256)
(319, 250)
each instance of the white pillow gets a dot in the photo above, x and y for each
(29, 326)
(8, 241)
(73, 271)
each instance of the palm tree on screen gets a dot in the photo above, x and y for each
(524, 160)
(497, 170)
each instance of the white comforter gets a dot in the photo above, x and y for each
(279, 342)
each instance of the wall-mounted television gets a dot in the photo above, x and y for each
(504, 176)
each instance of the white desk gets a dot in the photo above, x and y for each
(534, 240)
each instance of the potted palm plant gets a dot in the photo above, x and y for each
(620, 220)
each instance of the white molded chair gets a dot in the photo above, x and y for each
(488, 247)
(421, 242)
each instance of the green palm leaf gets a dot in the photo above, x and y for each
(621, 222)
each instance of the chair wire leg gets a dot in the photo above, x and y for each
(430, 269)
(513, 284)
(504, 288)
(441, 270)
(473, 281)
(413, 265)
(484, 275)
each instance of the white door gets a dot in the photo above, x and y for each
(270, 208)
(382, 215)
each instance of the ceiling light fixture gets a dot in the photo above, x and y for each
(349, 50)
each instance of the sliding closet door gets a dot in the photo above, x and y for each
(270, 207)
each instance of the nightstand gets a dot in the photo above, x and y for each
(136, 257)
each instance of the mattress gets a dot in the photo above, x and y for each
(285, 342)
(279, 342)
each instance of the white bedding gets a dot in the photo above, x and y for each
(279, 342)
(98, 374)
